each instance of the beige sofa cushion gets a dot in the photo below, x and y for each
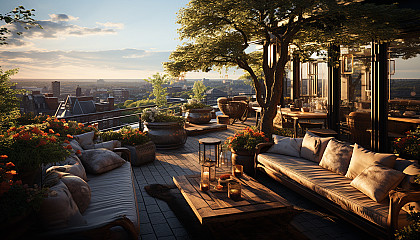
(79, 189)
(76, 169)
(377, 180)
(86, 140)
(101, 160)
(313, 147)
(337, 157)
(363, 158)
(110, 145)
(286, 145)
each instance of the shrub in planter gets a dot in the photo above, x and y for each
(409, 146)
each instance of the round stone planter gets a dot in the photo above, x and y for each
(245, 159)
(199, 115)
(142, 154)
(166, 135)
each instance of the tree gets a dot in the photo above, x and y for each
(198, 90)
(218, 34)
(158, 90)
(17, 15)
(9, 100)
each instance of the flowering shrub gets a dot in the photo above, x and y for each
(127, 136)
(16, 199)
(29, 147)
(63, 128)
(246, 139)
(155, 115)
(409, 146)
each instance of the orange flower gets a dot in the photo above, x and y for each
(69, 136)
(68, 147)
(16, 135)
(67, 141)
(10, 164)
(11, 129)
(2, 157)
(78, 152)
(51, 131)
(11, 172)
(80, 125)
(57, 134)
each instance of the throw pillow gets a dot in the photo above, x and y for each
(110, 145)
(86, 140)
(77, 149)
(363, 158)
(377, 180)
(336, 157)
(286, 145)
(313, 147)
(59, 210)
(101, 160)
(76, 169)
(79, 189)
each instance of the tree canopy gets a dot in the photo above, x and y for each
(17, 15)
(225, 33)
(159, 91)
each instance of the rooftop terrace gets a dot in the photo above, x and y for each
(157, 221)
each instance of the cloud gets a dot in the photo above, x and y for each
(58, 26)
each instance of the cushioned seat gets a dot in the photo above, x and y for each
(330, 185)
(112, 198)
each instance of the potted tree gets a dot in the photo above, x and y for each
(142, 149)
(165, 130)
(242, 145)
(196, 111)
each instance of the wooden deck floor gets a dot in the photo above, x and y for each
(157, 221)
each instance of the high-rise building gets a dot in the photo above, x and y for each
(56, 88)
(78, 91)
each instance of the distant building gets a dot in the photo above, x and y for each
(213, 94)
(100, 82)
(37, 104)
(78, 91)
(121, 95)
(56, 88)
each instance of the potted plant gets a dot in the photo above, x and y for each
(143, 150)
(408, 147)
(166, 130)
(28, 147)
(242, 145)
(196, 111)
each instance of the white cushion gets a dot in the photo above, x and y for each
(86, 140)
(313, 147)
(337, 157)
(377, 180)
(286, 145)
(101, 160)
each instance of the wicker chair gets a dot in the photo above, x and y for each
(235, 109)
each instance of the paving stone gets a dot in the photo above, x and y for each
(148, 237)
(162, 230)
(174, 222)
(153, 209)
(146, 228)
(156, 218)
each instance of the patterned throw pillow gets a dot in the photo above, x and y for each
(337, 157)
(286, 145)
(377, 180)
(363, 158)
(101, 160)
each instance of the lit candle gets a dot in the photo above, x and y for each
(234, 194)
(204, 186)
(206, 176)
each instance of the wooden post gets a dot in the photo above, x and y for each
(334, 88)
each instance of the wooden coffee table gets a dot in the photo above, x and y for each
(215, 207)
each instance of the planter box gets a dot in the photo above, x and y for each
(142, 154)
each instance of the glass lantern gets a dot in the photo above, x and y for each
(224, 160)
(208, 171)
(209, 150)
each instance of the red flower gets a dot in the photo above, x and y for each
(9, 164)
(2, 157)
(68, 147)
(78, 152)
(69, 136)
(67, 141)
(51, 131)
(42, 142)
(57, 134)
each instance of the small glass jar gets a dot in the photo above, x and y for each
(204, 185)
(237, 170)
(208, 170)
(234, 190)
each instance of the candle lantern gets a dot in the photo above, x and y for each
(237, 170)
(224, 160)
(209, 150)
(234, 190)
(208, 171)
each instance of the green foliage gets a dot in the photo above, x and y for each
(155, 115)
(127, 136)
(9, 101)
(198, 90)
(287, 132)
(409, 146)
(194, 105)
(158, 90)
(18, 15)
(411, 231)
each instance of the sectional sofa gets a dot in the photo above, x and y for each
(371, 190)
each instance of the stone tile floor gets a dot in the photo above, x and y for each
(157, 221)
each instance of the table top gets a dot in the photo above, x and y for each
(209, 141)
(297, 114)
(213, 206)
(405, 119)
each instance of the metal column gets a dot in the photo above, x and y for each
(334, 88)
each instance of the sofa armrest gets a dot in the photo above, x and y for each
(397, 199)
(262, 147)
(125, 153)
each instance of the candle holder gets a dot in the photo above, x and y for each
(234, 190)
(209, 150)
(237, 170)
(224, 157)
(208, 171)
(204, 185)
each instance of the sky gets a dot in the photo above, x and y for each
(107, 39)
(96, 39)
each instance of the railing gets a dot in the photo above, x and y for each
(115, 119)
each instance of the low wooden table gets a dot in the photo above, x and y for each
(216, 207)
